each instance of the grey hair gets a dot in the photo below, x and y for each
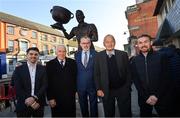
(85, 37)
(60, 46)
(111, 36)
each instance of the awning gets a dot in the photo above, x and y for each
(164, 31)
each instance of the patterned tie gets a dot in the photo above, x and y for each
(85, 59)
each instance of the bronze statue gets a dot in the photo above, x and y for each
(83, 29)
(61, 15)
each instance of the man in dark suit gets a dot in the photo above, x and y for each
(85, 81)
(112, 78)
(30, 84)
(62, 73)
(150, 76)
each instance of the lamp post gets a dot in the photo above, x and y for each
(68, 49)
(18, 49)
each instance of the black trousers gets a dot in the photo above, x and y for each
(123, 98)
(146, 110)
(175, 107)
(64, 110)
(29, 112)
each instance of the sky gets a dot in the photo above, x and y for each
(107, 15)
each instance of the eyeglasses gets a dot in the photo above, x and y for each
(85, 43)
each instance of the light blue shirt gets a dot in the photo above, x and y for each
(83, 56)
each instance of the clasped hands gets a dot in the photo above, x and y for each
(152, 100)
(30, 101)
(52, 103)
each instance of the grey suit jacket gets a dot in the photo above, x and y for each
(101, 71)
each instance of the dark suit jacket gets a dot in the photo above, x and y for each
(22, 82)
(85, 76)
(62, 82)
(101, 71)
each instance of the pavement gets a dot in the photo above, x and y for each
(135, 108)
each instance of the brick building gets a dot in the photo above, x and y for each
(141, 21)
(17, 34)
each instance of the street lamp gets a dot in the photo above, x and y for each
(18, 49)
(68, 49)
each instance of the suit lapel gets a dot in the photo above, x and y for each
(119, 61)
(57, 63)
(104, 61)
(37, 76)
(80, 58)
(27, 75)
(91, 54)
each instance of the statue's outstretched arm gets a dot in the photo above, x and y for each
(69, 36)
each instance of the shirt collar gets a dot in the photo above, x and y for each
(31, 64)
(64, 60)
(110, 52)
(86, 51)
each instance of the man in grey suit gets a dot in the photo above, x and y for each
(112, 78)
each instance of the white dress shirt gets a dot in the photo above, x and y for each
(32, 72)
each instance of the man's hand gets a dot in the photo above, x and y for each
(52, 103)
(152, 100)
(35, 105)
(100, 93)
(29, 101)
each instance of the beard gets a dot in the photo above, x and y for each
(145, 49)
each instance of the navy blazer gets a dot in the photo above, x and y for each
(23, 85)
(85, 78)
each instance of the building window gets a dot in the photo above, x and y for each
(53, 39)
(10, 30)
(10, 45)
(44, 37)
(62, 41)
(11, 65)
(34, 34)
(45, 49)
(23, 46)
(33, 45)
